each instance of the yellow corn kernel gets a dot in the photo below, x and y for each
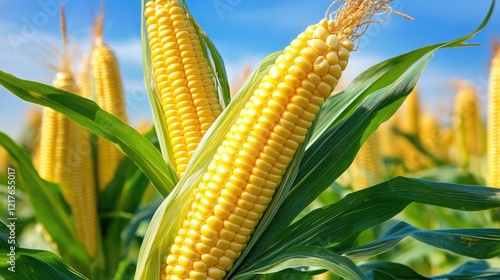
(493, 155)
(183, 78)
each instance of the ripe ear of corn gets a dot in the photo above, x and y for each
(66, 159)
(238, 184)
(183, 78)
(240, 80)
(446, 144)
(4, 161)
(469, 128)
(367, 167)
(389, 144)
(409, 124)
(493, 155)
(108, 90)
(429, 137)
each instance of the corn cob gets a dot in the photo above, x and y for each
(493, 159)
(240, 80)
(184, 82)
(4, 161)
(108, 90)
(248, 166)
(31, 135)
(468, 127)
(387, 138)
(84, 81)
(411, 111)
(66, 159)
(368, 165)
(409, 125)
(446, 144)
(429, 137)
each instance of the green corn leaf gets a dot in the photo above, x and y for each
(46, 199)
(87, 114)
(304, 257)
(389, 270)
(340, 222)
(21, 263)
(384, 270)
(381, 75)
(478, 269)
(481, 243)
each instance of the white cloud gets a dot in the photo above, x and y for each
(128, 52)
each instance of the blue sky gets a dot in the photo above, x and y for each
(245, 32)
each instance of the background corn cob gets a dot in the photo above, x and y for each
(388, 139)
(446, 144)
(66, 159)
(408, 123)
(493, 156)
(429, 138)
(4, 161)
(469, 127)
(31, 134)
(244, 173)
(367, 167)
(183, 78)
(84, 81)
(240, 80)
(108, 90)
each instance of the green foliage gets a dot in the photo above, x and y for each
(20, 263)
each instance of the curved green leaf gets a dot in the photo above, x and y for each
(388, 270)
(482, 243)
(382, 270)
(473, 270)
(46, 198)
(88, 114)
(381, 75)
(336, 223)
(23, 264)
(306, 256)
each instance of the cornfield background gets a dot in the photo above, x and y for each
(397, 177)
